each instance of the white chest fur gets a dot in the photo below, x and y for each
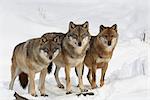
(113, 43)
(44, 56)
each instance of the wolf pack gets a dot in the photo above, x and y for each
(75, 48)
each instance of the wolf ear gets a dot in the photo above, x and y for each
(102, 28)
(86, 24)
(114, 27)
(71, 25)
(56, 39)
(43, 40)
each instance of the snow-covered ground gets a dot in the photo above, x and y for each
(128, 75)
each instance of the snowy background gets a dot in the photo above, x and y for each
(128, 74)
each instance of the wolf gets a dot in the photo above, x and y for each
(31, 57)
(74, 46)
(100, 53)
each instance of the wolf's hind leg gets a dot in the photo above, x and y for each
(57, 77)
(89, 76)
(14, 73)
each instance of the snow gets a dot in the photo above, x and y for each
(128, 74)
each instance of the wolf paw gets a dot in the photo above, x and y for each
(94, 86)
(60, 86)
(35, 95)
(84, 90)
(101, 83)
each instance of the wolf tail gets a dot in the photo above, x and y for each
(49, 68)
(23, 78)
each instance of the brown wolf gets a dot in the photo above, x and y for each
(31, 57)
(100, 52)
(74, 46)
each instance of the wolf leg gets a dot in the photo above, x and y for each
(103, 72)
(42, 82)
(82, 71)
(94, 76)
(57, 78)
(68, 82)
(79, 70)
(89, 76)
(32, 83)
(77, 73)
(14, 73)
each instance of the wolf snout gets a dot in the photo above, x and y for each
(50, 57)
(109, 43)
(79, 44)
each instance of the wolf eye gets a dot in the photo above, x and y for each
(45, 50)
(55, 49)
(74, 36)
(105, 36)
(112, 36)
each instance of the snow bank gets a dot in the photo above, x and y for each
(129, 59)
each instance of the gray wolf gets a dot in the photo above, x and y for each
(74, 46)
(31, 57)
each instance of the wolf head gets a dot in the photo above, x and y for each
(78, 34)
(49, 49)
(108, 35)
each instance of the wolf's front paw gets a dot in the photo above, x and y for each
(94, 86)
(84, 90)
(33, 94)
(60, 86)
(101, 83)
(69, 92)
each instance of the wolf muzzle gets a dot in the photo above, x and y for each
(79, 44)
(50, 57)
(109, 43)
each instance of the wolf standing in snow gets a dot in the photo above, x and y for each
(100, 53)
(74, 47)
(31, 57)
